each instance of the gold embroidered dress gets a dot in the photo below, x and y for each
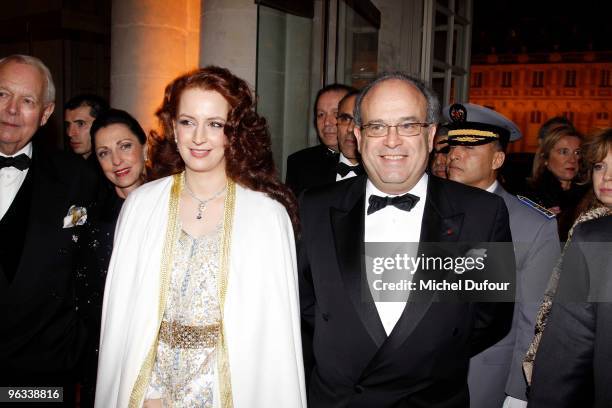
(258, 358)
(184, 374)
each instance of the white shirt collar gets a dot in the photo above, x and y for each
(493, 187)
(346, 161)
(27, 149)
(419, 189)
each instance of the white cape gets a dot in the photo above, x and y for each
(261, 319)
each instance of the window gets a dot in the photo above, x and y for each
(602, 116)
(302, 46)
(536, 117)
(445, 47)
(283, 68)
(537, 79)
(604, 80)
(506, 79)
(477, 80)
(357, 43)
(570, 79)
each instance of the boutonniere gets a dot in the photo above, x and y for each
(76, 216)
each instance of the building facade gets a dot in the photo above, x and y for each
(531, 88)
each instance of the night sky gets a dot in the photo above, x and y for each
(520, 26)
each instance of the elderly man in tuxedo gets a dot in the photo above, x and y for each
(43, 199)
(412, 352)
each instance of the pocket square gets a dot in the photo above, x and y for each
(76, 216)
(476, 253)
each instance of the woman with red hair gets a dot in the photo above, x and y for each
(201, 305)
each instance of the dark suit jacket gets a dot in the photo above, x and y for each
(41, 337)
(573, 366)
(424, 361)
(310, 167)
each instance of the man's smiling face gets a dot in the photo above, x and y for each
(394, 163)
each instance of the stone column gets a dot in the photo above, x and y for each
(151, 43)
(228, 36)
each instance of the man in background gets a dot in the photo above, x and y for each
(478, 138)
(349, 161)
(312, 166)
(437, 162)
(79, 113)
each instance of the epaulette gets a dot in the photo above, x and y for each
(532, 204)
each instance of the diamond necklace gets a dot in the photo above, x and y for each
(203, 203)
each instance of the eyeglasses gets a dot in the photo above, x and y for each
(565, 152)
(403, 129)
(344, 119)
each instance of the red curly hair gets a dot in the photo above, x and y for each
(248, 154)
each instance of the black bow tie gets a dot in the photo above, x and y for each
(404, 202)
(343, 169)
(20, 162)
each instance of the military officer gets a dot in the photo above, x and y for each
(478, 138)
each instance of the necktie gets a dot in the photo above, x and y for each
(404, 202)
(20, 162)
(343, 169)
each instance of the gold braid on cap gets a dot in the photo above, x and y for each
(471, 132)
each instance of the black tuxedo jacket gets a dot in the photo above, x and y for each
(424, 361)
(41, 336)
(573, 366)
(310, 167)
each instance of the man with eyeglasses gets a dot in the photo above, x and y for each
(478, 138)
(349, 162)
(316, 165)
(372, 348)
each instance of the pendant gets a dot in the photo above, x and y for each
(201, 209)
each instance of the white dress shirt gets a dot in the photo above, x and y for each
(11, 180)
(350, 174)
(492, 187)
(391, 224)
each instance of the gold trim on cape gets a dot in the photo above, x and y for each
(144, 376)
(223, 369)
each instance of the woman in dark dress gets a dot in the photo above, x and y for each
(119, 145)
(556, 167)
(566, 297)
